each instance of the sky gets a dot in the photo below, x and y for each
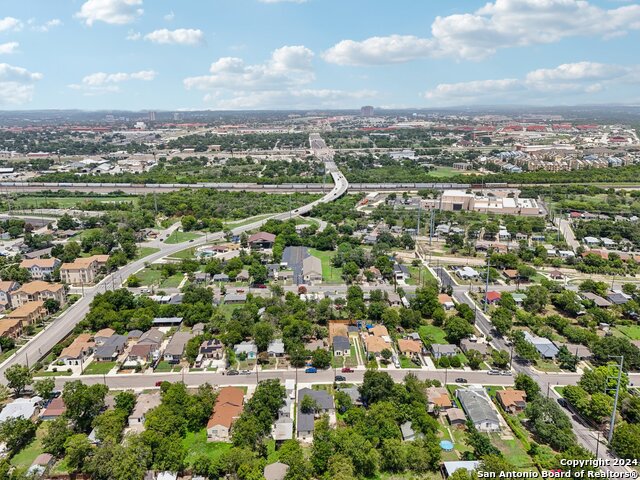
(314, 54)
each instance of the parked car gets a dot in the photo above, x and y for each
(494, 372)
(340, 378)
(461, 380)
(311, 370)
(347, 370)
(245, 372)
(158, 384)
(563, 403)
(233, 372)
(506, 373)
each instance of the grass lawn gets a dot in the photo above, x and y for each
(229, 309)
(68, 202)
(443, 172)
(195, 443)
(633, 332)
(330, 273)
(84, 233)
(351, 360)
(145, 252)
(186, 253)
(406, 362)
(173, 281)
(27, 455)
(164, 366)
(148, 276)
(59, 373)
(432, 334)
(419, 275)
(179, 237)
(512, 450)
(6, 354)
(547, 366)
(99, 368)
(247, 221)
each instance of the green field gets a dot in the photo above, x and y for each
(633, 332)
(66, 202)
(196, 445)
(419, 275)
(99, 368)
(547, 366)
(512, 450)
(148, 276)
(443, 172)
(179, 237)
(186, 253)
(173, 281)
(145, 252)
(432, 334)
(25, 457)
(330, 273)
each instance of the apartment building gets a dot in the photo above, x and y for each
(83, 271)
(40, 268)
(38, 290)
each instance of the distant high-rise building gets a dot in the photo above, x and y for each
(366, 111)
(177, 116)
(152, 116)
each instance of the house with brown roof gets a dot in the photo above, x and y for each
(226, 411)
(446, 301)
(29, 313)
(438, 398)
(410, 348)
(76, 353)
(39, 290)
(457, 417)
(83, 271)
(261, 241)
(55, 409)
(513, 401)
(11, 328)
(40, 268)
(6, 291)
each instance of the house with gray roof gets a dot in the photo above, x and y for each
(248, 348)
(276, 348)
(478, 407)
(25, 408)
(341, 346)
(152, 336)
(545, 347)
(175, 348)
(439, 350)
(408, 433)
(305, 422)
(166, 321)
(597, 299)
(110, 349)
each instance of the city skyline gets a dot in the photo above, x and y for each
(297, 54)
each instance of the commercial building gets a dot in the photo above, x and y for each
(505, 202)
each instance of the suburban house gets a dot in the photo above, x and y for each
(438, 398)
(261, 241)
(446, 301)
(493, 297)
(410, 348)
(102, 336)
(582, 352)
(456, 417)
(83, 271)
(378, 340)
(235, 298)
(6, 290)
(305, 423)
(38, 290)
(408, 433)
(513, 401)
(618, 298)
(477, 405)
(26, 408)
(166, 321)
(545, 347)
(597, 299)
(76, 353)
(276, 348)
(467, 273)
(40, 268)
(175, 348)
(400, 272)
(293, 258)
(211, 349)
(29, 313)
(439, 350)
(227, 409)
(312, 269)
(54, 409)
(243, 276)
(466, 345)
(144, 403)
(140, 354)
(152, 336)
(110, 348)
(394, 299)
(341, 346)
(247, 348)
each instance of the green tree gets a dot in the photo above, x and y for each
(57, 434)
(110, 425)
(376, 386)
(528, 384)
(18, 377)
(475, 359)
(44, 387)
(262, 335)
(309, 405)
(83, 403)
(321, 358)
(77, 450)
(17, 433)
(457, 328)
(537, 299)
(626, 440)
(500, 358)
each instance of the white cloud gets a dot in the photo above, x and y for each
(169, 16)
(8, 48)
(580, 78)
(115, 12)
(100, 82)
(288, 66)
(133, 35)
(501, 24)
(379, 50)
(16, 84)
(10, 24)
(181, 36)
(46, 26)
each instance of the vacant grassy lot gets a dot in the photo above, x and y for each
(27, 455)
(148, 276)
(179, 237)
(173, 281)
(196, 445)
(432, 334)
(633, 332)
(99, 368)
(67, 202)
(145, 252)
(330, 273)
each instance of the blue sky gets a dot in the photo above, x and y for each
(297, 54)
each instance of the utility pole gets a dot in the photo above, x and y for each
(419, 210)
(486, 288)
(615, 399)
